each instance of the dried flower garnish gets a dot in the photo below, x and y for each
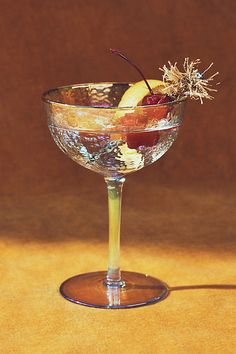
(189, 83)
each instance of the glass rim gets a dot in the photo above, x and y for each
(72, 86)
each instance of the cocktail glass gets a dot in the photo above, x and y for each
(87, 125)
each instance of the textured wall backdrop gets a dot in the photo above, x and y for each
(49, 43)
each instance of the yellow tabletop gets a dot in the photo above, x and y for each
(184, 236)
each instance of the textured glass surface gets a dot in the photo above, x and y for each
(87, 125)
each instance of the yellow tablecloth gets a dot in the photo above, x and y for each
(184, 236)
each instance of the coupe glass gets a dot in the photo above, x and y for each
(87, 125)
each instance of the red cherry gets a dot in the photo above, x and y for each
(155, 99)
(152, 98)
(147, 139)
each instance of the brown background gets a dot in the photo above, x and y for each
(53, 212)
(50, 43)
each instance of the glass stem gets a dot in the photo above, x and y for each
(114, 188)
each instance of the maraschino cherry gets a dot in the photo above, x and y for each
(152, 98)
(151, 138)
(155, 98)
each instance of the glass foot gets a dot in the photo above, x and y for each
(89, 290)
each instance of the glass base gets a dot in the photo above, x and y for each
(90, 290)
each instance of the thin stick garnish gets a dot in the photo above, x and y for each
(189, 83)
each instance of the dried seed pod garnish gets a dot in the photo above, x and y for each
(187, 83)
